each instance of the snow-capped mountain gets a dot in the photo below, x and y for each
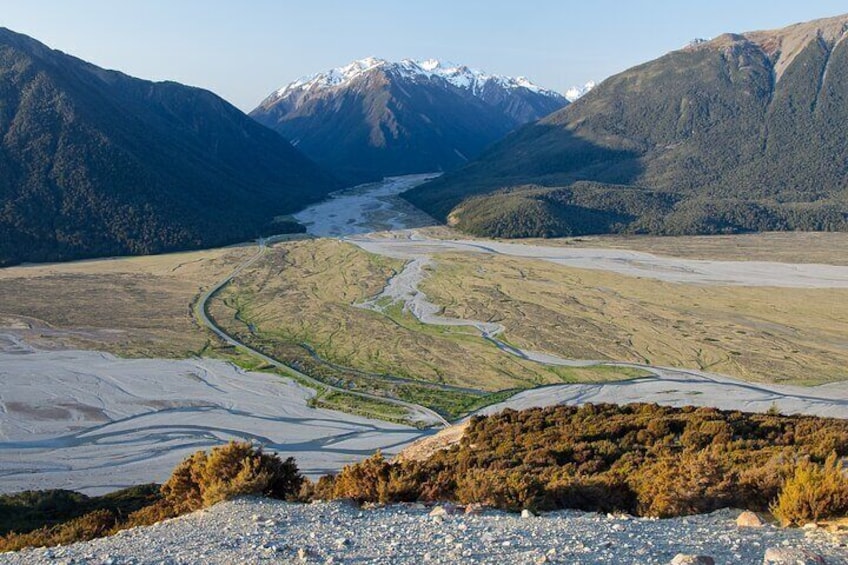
(375, 118)
(576, 92)
(461, 76)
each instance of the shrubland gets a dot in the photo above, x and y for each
(643, 459)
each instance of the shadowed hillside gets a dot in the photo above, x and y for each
(94, 162)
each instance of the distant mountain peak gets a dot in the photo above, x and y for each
(332, 78)
(576, 92)
(460, 76)
(373, 117)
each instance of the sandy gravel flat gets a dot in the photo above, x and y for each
(91, 422)
(411, 244)
(263, 531)
(365, 209)
(681, 387)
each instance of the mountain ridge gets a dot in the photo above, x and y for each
(738, 133)
(460, 76)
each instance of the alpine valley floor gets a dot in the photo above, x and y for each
(416, 313)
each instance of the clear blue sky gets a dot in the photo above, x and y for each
(244, 50)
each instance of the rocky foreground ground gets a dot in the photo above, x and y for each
(258, 531)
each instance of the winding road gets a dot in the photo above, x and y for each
(416, 411)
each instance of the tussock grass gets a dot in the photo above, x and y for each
(788, 335)
(129, 306)
(305, 293)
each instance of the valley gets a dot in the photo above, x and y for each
(375, 314)
(416, 314)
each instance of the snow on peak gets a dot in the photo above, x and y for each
(333, 77)
(431, 65)
(576, 92)
(468, 78)
(460, 76)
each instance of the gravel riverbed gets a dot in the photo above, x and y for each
(264, 531)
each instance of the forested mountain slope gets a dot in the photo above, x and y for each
(94, 162)
(744, 132)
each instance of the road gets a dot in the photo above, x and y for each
(201, 311)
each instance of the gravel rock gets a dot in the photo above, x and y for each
(750, 519)
(474, 508)
(438, 511)
(683, 559)
(404, 534)
(527, 513)
(792, 556)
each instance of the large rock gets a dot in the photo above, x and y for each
(750, 519)
(791, 556)
(684, 559)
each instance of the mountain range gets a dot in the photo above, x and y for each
(744, 132)
(374, 118)
(94, 162)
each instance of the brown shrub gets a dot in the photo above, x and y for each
(182, 489)
(364, 481)
(199, 481)
(639, 458)
(324, 488)
(691, 483)
(237, 468)
(813, 492)
(602, 493)
(759, 485)
(149, 515)
(509, 490)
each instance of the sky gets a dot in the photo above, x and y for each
(245, 50)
